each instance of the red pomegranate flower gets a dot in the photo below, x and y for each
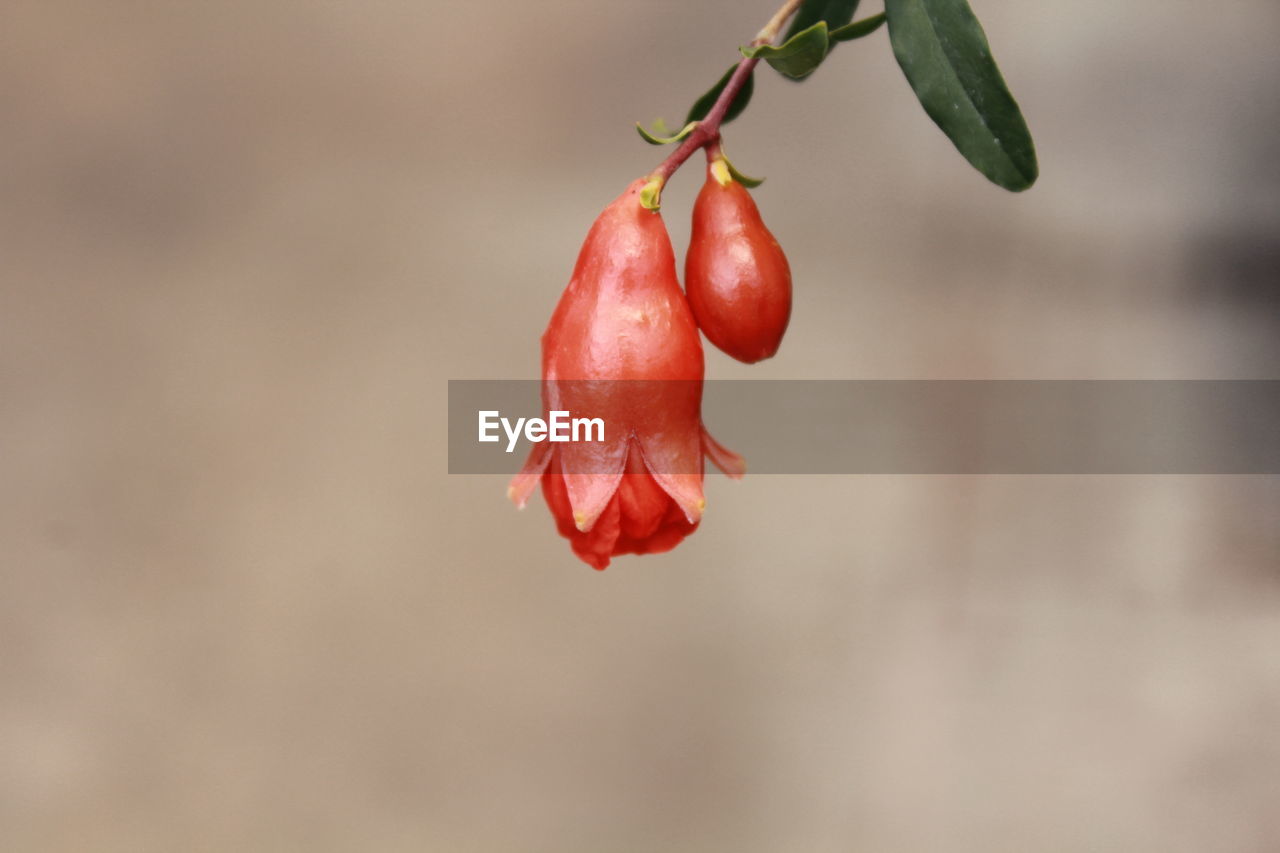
(622, 346)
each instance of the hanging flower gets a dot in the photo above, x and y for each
(622, 346)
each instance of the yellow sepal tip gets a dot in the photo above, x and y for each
(651, 194)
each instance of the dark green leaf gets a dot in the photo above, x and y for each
(797, 56)
(656, 138)
(836, 13)
(945, 56)
(703, 105)
(857, 29)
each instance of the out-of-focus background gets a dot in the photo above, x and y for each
(243, 606)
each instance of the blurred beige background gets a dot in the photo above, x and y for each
(243, 607)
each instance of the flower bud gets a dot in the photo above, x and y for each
(737, 278)
(622, 346)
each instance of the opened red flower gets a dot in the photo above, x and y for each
(622, 345)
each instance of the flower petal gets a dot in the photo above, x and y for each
(523, 484)
(557, 498)
(596, 546)
(641, 501)
(676, 465)
(725, 459)
(592, 471)
(672, 530)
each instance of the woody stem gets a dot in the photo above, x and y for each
(708, 130)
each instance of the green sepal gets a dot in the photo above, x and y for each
(857, 29)
(651, 194)
(945, 56)
(703, 105)
(798, 56)
(745, 180)
(653, 138)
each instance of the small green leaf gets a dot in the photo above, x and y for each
(660, 127)
(945, 56)
(857, 29)
(741, 178)
(798, 56)
(703, 105)
(836, 13)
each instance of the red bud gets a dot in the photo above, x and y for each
(736, 276)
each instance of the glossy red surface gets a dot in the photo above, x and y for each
(736, 275)
(622, 345)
